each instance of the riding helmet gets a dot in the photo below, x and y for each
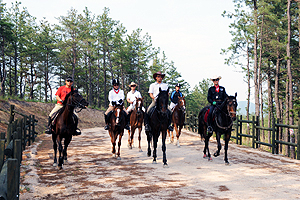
(178, 85)
(115, 82)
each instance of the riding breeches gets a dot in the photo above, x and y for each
(56, 108)
(110, 108)
(131, 107)
(209, 118)
(153, 104)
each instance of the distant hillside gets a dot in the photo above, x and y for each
(242, 108)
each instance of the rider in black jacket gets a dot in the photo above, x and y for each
(216, 96)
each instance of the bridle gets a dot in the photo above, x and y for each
(227, 114)
(76, 103)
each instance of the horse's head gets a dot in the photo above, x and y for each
(75, 99)
(162, 101)
(118, 107)
(232, 106)
(181, 103)
(139, 104)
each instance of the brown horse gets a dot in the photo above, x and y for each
(223, 115)
(136, 122)
(178, 118)
(116, 128)
(65, 126)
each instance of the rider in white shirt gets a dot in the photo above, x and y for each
(131, 97)
(153, 92)
(115, 95)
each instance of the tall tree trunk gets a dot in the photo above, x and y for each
(15, 71)
(3, 71)
(270, 103)
(287, 132)
(104, 74)
(256, 75)
(249, 86)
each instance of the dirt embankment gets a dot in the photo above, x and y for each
(88, 118)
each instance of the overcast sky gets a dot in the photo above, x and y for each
(191, 33)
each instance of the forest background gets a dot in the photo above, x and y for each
(36, 56)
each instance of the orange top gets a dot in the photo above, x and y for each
(62, 93)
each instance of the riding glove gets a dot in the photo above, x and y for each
(214, 103)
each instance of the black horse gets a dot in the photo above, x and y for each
(64, 125)
(223, 117)
(159, 122)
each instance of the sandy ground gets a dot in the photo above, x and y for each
(91, 172)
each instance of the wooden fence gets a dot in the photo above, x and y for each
(192, 125)
(20, 133)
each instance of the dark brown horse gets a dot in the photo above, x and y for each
(117, 121)
(64, 125)
(136, 122)
(158, 122)
(223, 116)
(178, 118)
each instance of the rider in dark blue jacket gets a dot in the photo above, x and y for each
(216, 96)
(174, 96)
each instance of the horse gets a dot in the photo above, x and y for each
(178, 118)
(158, 122)
(64, 126)
(116, 128)
(136, 122)
(223, 117)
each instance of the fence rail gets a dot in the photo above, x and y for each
(192, 125)
(19, 134)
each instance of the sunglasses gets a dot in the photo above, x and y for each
(116, 85)
(69, 81)
(133, 86)
(215, 79)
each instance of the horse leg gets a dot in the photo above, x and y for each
(113, 142)
(227, 138)
(169, 136)
(67, 142)
(140, 131)
(217, 153)
(55, 149)
(119, 146)
(207, 149)
(164, 135)
(129, 138)
(155, 139)
(149, 138)
(61, 158)
(177, 134)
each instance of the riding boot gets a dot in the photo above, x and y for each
(127, 121)
(146, 122)
(106, 122)
(78, 131)
(209, 122)
(49, 129)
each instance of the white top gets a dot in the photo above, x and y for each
(114, 95)
(154, 88)
(132, 96)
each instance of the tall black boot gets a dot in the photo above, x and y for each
(77, 132)
(170, 127)
(209, 123)
(49, 128)
(146, 122)
(127, 121)
(106, 122)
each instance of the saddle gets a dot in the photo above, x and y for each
(206, 115)
(55, 115)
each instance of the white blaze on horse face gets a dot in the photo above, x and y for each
(183, 104)
(139, 105)
(118, 116)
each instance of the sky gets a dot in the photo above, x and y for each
(191, 32)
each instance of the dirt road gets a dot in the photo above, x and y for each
(91, 172)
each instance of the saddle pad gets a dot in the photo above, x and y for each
(206, 115)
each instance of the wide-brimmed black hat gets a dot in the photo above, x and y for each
(158, 73)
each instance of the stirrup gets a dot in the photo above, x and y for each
(147, 127)
(77, 132)
(106, 127)
(209, 129)
(48, 131)
(170, 128)
(127, 127)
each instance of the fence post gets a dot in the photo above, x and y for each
(257, 131)
(298, 141)
(33, 128)
(241, 130)
(237, 129)
(2, 147)
(253, 131)
(277, 137)
(11, 179)
(273, 135)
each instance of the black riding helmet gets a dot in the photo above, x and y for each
(178, 85)
(115, 82)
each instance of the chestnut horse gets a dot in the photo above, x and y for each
(64, 125)
(158, 122)
(178, 118)
(223, 116)
(116, 128)
(136, 122)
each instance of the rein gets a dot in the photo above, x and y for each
(226, 114)
(76, 104)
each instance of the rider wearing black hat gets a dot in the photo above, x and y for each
(174, 96)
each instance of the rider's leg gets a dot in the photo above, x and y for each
(107, 115)
(77, 132)
(146, 117)
(170, 127)
(127, 120)
(209, 119)
(54, 110)
(49, 129)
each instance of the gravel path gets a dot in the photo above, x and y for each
(91, 172)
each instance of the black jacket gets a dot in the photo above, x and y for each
(174, 96)
(219, 97)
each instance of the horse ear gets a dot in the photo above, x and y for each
(235, 95)
(113, 103)
(72, 89)
(168, 90)
(159, 89)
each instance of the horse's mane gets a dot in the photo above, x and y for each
(162, 93)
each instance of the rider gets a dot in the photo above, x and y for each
(131, 97)
(60, 97)
(216, 96)
(153, 92)
(174, 96)
(116, 94)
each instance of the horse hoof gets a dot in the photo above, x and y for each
(216, 154)
(66, 162)
(59, 167)
(118, 158)
(54, 164)
(140, 150)
(113, 156)
(166, 165)
(227, 163)
(210, 159)
(204, 156)
(154, 162)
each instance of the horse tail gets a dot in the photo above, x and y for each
(201, 122)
